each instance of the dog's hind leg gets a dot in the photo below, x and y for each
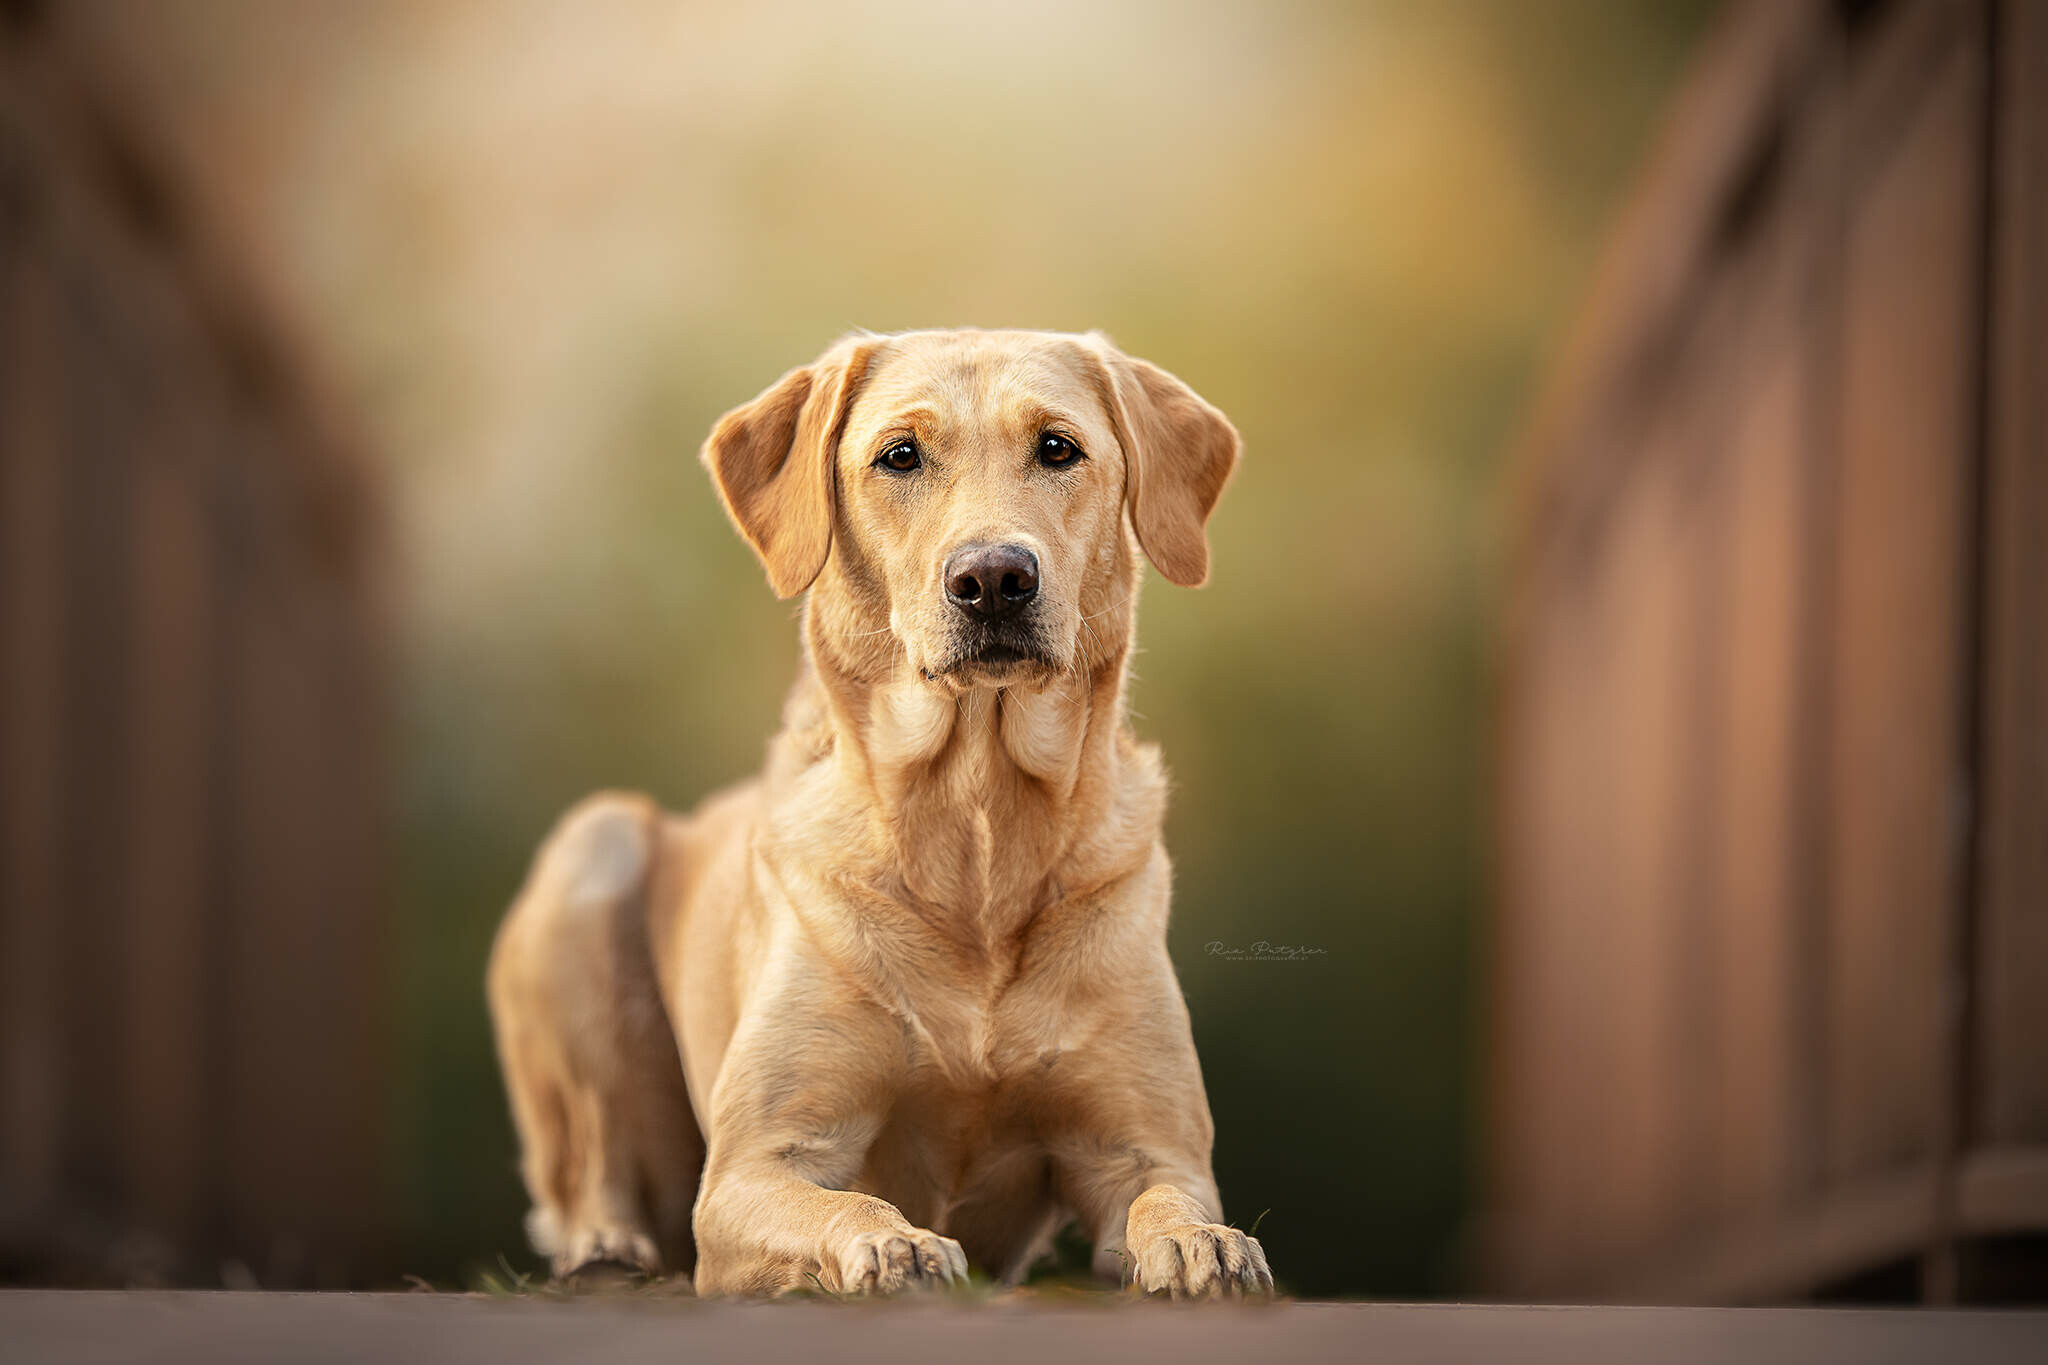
(610, 1149)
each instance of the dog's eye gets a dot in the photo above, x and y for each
(901, 457)
(1057, 452)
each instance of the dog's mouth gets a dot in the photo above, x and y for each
(996, 654)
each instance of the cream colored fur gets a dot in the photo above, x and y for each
(902, 1003)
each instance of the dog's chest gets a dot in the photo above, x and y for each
(967, 1146)
(969, 1160)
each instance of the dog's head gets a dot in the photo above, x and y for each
(961, 499)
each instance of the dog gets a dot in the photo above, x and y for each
(902, 1004)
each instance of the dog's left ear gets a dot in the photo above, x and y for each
(772, 461)
(1178, 453)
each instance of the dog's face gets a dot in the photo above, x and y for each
(970, 493)
(981, 493)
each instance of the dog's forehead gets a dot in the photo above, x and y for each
(980, 379)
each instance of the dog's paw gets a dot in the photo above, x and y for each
(889, 1262)
(586, 1253)
(1200, 1261)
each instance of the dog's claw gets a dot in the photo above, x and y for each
(891, 1262)
(1201, 1261)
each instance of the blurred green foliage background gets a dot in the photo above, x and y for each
(541, 246)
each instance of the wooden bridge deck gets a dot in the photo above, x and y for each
(308, 1328)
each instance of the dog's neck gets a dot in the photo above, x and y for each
(980, 808)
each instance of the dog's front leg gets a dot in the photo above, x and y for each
(791, 1122)
(1135, 1165)
(1156, 1223)
(764, 1231)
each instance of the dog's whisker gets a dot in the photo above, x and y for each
(1106, 610)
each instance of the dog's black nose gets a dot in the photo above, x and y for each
(989, 582)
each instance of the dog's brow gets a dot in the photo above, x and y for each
(918, 419)
(1060, 417)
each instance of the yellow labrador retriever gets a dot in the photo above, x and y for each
(901, 1004)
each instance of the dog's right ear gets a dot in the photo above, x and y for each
(772, 461)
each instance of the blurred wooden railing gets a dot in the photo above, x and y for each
(1771, 974)
(191, 966)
